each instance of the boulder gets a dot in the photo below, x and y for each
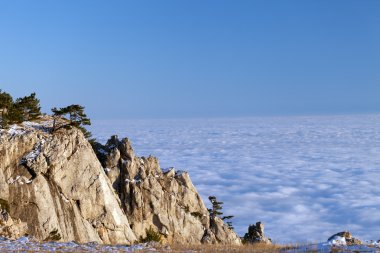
(344, 238)
(256, 234)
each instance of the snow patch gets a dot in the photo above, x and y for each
(337, 241)
(166, 170)
(20, 180)
(180, 172)
(44, 126)
(32, 156)
(133, 181)
(102, 151)
(16, 130)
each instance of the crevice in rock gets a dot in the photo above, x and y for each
(77, 202)
(93, 182)
(30, 170)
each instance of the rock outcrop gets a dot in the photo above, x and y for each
(256, 234)
(53, 187)
(10, 228)
(344, 238)
(165, 200)
(55, 184)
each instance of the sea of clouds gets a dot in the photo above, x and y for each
(305, 178)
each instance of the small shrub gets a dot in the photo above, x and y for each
(4, 205)
(53, 236)
(197, 214)
(151, 236)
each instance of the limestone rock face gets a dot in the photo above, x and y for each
(256, 234)
(164, 200)
(53, 187)
(10, 228)
(55, 184)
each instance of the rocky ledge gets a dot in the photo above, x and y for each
(55, 187)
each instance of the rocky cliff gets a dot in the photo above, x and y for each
(165, 200)
(55, 188)
(56, 185)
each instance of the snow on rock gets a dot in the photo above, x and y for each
(63, 162)
(161, 199)
(19, 180)
(28, 126)
(337, 241)
(102, 151)
(32, 156)
(25, 244)
(43, 126)
(180, 172)
(133, 181)
(16, 130)
(166, 170)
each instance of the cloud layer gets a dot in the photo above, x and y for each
(305, 178)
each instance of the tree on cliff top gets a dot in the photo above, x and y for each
(6, 102)
(75, 116)
(25, 108)
(215, 211)
(28, 106)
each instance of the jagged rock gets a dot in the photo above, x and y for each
(166, 200)
(256, 234)
(55, 184)
(53, 187)
(344, 238)
(10, 228)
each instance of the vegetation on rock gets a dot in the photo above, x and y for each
(28, 109)
(215, 211)
(22, 109)
(75, 116)
(151, 236)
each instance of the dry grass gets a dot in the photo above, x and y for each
(258, 247)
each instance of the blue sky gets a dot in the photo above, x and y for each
(168, 59)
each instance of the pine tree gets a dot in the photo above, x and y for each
(6, 102)
(216, 211)
(15, 114)
(76, 117)
(28, 106)
(216, 207)
(229, 224)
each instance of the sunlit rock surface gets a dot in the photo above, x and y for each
(53, 188)
(163, 199)
(55, 184)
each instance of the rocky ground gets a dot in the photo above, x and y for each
(25, 244)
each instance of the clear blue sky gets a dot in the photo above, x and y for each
(198, 58)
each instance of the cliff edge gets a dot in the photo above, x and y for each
(56, 188)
